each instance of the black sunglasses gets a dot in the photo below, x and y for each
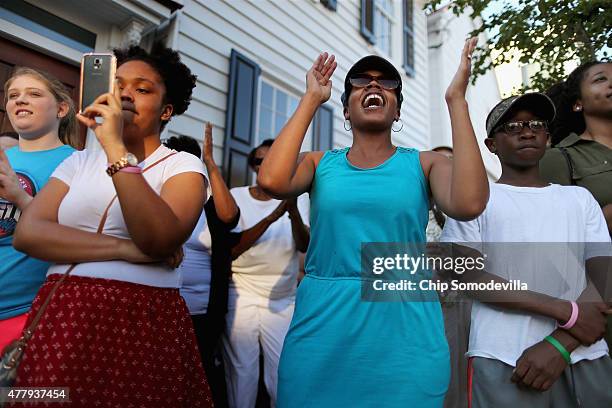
(363, 80)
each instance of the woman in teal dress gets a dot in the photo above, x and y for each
(342, 350)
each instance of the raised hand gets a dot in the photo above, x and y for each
(108, 106)
(318, 77)
(207, 151)
(458, 86)
(10, 189)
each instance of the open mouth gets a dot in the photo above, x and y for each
(23, 112)
(373, 101)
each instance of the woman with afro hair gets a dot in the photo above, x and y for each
(112, 221)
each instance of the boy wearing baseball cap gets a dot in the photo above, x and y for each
(545, 353)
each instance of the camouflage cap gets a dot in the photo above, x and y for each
(535, 102)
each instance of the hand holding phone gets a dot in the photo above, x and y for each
(100, 97)
(97, 77)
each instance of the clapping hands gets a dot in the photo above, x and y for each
(458, 86)
(318, 77)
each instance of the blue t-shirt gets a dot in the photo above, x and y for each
(20, 274)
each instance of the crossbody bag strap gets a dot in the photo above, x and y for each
(30, 330)
(27, 333)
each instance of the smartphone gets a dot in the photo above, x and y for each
(97, 77)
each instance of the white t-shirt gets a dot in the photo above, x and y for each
(196, 268)
(270, 267)
(547, 232)
(91, 190)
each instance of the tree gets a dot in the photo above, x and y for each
(549, 33)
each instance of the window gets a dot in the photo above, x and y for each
(367, 20)
(240, 118)
(257, 110)
(275, 108)
(324, 128)
(383, 20)
(377, 23)
(408, 36)
(330, 4)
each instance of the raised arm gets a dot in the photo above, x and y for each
(281, 174)
(225, 205)
(459, 187)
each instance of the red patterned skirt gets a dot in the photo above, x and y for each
(115, 344)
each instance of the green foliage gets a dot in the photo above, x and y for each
(547, 32)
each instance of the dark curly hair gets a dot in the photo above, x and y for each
(177, 77)
(184, 144)
(564, 95)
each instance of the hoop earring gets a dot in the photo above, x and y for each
(401, 127)
(350, 127)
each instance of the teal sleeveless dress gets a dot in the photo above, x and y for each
(341, 350)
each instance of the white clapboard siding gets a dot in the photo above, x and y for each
(283, 37)
(447, 34)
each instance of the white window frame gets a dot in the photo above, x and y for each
(277, 87)
(389, 16)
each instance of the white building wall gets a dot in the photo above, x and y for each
(107, 22)
(284, 37)
(446, 37)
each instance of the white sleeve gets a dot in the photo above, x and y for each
(69, 167)
(463, 232)
(235, 192)
(303, 204)
(185, 162)
(597, 236)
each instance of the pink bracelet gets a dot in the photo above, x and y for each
(572, 320)
(131, 169)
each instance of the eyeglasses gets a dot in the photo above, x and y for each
(363, 80)
(256, 161)
(516, 127)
